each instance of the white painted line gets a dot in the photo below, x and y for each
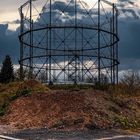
(8, 138)
(120, 136)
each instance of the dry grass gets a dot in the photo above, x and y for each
(13, 90)
(72, 109)
(35, 105)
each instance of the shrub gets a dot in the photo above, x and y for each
(3, 108)
(125, 122)
(130, 82)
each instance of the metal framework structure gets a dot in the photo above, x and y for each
(69, 41)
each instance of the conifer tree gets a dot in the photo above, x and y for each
(7, 72)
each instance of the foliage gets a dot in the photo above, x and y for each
(103, 80)
(7, 74)
(125, 122)
(24, 74)
(130, 82)
(42, 76)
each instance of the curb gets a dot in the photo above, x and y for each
(120, 137)
(8, 138)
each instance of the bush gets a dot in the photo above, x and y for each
(130, 82)
(3, 108)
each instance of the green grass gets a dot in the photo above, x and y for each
(14, 90)
(126, 123)
(70, 87)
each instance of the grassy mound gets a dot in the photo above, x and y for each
(13, 90)
(72, 110)
(31, 104)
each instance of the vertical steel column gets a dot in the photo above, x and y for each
(82, 56)
(117, 47)
(76, 55)
(113, 44)
(99, 58)
(47, 44)
(50, 46)
(111, 58)
(64, 70)
(21, 44)
(31, 44)
(54, 65)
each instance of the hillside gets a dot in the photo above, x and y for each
(72, 109)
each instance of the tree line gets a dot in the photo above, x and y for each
(7, 74)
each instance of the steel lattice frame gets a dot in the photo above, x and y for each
(69, 42)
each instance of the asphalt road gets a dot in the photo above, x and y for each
(44, 134)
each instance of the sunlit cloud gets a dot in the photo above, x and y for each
(9, 12)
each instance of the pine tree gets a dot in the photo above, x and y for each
(7, 72)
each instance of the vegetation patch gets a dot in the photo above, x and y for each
(70, 87)
(22, 92)
(125, 122)
(13, 90)
(70, 106)
(3, 108)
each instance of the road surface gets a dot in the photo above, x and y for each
(44, 134)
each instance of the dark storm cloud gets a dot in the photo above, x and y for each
(69, 8)
(129, 33)
(124, 3)
(129, 64)
(128, 1)
(129, 7)
(132, 12)
(65, 12)
(3, 29)
(129, 45)
(8, 44)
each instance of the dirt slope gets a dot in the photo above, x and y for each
(74, 110)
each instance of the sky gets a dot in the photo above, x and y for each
(8, 9)
(129, 31)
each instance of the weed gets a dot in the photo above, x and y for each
(125, 122)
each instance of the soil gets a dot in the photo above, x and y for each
(71, 110)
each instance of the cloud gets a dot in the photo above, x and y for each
(129, 30)
(17, 21)
(129, 8)
(85, 17)
(129, 64)
(8, 44)
(129, 39)
(3, 29)
(129, 45)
